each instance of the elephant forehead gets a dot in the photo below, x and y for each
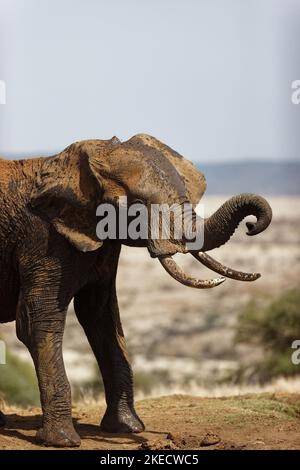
(193, 179)
(156, 164)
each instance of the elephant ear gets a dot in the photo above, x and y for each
(193, 179)
(67, 193)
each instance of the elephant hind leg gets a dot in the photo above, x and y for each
(2, 420)
(97, 311)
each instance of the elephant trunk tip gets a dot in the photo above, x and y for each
(261, 224)
(252, 228)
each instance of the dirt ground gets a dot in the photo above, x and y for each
(264, 421)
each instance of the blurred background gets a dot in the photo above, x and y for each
(213, 79)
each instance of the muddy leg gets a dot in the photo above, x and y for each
(96, 307)
(40, 326)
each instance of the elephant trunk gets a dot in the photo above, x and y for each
(217, 230)
(221, 225)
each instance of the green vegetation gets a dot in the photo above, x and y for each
(266, 404)
(18, 384)
(272, 329)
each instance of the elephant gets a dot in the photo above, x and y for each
(50, 254)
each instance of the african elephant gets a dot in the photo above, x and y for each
(50, 254)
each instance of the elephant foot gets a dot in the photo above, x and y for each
(63, 435)
(121, 422)
(2, 420)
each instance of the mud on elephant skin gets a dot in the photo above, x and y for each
(50, 254)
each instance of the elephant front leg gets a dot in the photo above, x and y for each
(42, 333)
(97, 310)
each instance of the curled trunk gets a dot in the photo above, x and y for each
(221, 225)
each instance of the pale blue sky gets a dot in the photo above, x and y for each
(212, 78)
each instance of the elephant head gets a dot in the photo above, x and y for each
(71, 185)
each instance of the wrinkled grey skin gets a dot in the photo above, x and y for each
(49, 255)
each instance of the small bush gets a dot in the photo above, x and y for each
(273, 329)
(18, 383)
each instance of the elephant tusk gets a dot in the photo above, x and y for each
(179, 275)
(219, 268)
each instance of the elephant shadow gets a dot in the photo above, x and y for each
(17, 427)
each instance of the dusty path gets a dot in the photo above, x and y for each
(179, 422)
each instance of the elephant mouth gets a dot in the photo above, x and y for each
(179, 275)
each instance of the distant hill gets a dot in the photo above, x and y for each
(282, 178)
